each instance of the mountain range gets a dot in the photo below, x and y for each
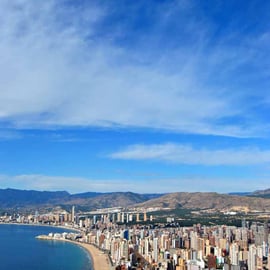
(209, 200)
(30, 199)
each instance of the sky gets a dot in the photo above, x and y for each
(143, 96)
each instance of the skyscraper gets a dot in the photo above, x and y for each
(155, 244)
(73, 214)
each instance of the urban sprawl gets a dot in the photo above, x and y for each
(133, 243)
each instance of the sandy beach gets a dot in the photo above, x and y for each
(99, 259)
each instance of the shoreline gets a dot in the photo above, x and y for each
(99, 259)
(43, 225)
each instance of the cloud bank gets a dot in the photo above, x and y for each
(166, 185)
(78, 64)
(185, 154)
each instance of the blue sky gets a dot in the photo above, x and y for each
(143, 96)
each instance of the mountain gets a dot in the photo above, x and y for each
(208, 200)
(240, 193)
(261, 193)
(11, 198)
(106, 200)
(86, 195)
(31, 199)
(258, 193)
(23, 199)
(136, 196)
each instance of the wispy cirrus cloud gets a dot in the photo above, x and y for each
(80, 65)
(70, 184)
(165, 185)
(9, 135)
(185, 154)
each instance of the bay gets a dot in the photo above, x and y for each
(20, 250)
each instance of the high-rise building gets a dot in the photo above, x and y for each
(244, 223)
(73, 214)
(118, 216)
(252, 257)
(234, 250)
(155, 248)
(194, 240)
(144, 217)
(268, 261)
(146, 247)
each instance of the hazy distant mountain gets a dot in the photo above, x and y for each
(206, 200)
(30, 199)
(86, 195)
(136, 196)
(13, 198)
(113, 199)
(265, 191)
(261, 193)
(240, 193)
(258, 193)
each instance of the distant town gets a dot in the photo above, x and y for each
(137, 239)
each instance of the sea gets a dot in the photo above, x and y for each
(20, 250)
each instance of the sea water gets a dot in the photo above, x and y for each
(20, 250)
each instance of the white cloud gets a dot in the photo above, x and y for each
(185, 154)
(57, 70)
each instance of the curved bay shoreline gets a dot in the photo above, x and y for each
(100, 260)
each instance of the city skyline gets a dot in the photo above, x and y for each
(141, 96)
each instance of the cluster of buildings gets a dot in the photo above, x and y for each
(129, 241)
(62, 217)
(57, 217)
(187, 247)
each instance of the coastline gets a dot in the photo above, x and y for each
(100, 260)
(41, 225)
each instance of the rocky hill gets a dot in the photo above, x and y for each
(106, 200)
(205, 200)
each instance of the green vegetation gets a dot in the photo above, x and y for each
(188, 217)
